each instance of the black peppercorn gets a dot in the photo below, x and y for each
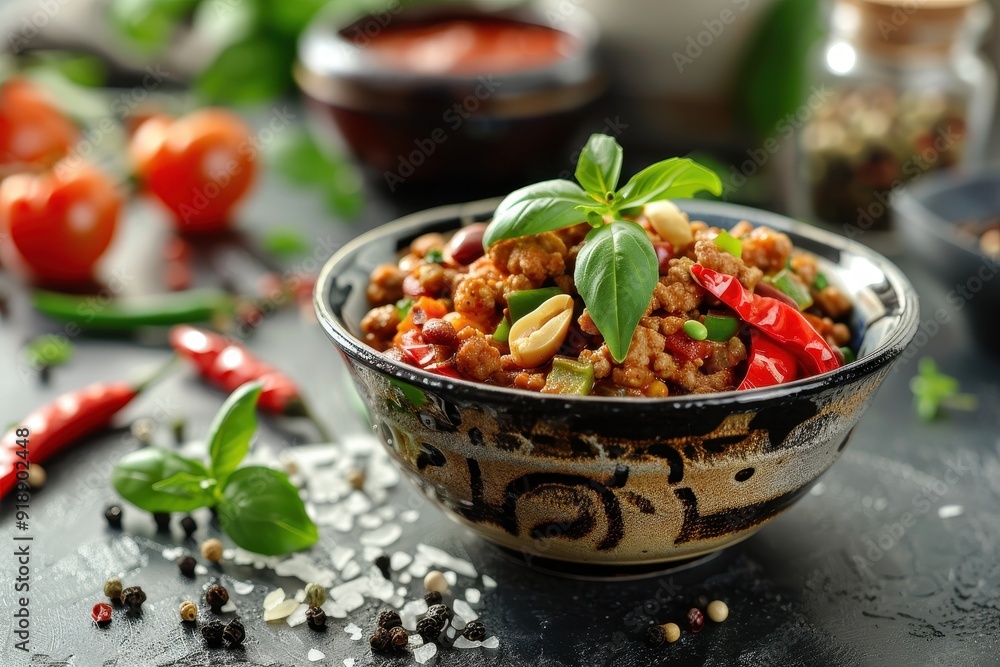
(132, 598)
(212, 633)
(113, 514)
(162, 520)
(429, 628)
(399, 637)
(234, 632)
(380, 640)
(432, 598)
(695, 619)
(475, 631)
(382, 563)
(189, 525)
(656, 635)
(440, 612)
(316, 618)
(186, 565)
(388, 619)
(216, 596)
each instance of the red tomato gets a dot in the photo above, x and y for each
(59, 222)
(32, 130)
(199, 166)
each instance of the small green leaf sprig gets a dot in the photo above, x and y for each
(258, 507)
(616, 269)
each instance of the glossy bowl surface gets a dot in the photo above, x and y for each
(617, 481)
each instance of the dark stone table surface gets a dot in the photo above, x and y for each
(892, 559)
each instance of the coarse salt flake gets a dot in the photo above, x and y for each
(354, 631)
(422, 654)
(274, 598)
(316, 655)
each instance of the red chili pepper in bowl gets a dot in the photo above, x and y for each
(769, 363)
(775, 318)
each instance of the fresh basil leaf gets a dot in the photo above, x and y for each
(49, 350)
(149, 24)
(255, 69)
(537, 208)
(600, 165)
(285, 242)
(136, 476)
(184, 483)
(616, 272)
(669, 179)
(262, 512)
(232, 429)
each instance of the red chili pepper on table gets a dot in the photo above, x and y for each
(777, 319)
(62, 423)
(769, 363)
(229, 365)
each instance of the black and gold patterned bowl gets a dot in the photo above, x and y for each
(617, 481)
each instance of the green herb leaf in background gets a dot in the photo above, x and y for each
(933, 390)
(537, 208)
(48, 350)
(600, 165)
(149, 24)
(669, 179)
(255, 69)
(297, 157)
(261, 511)
(616, 272)
(232, 429)
(285, 242)
(136, 474)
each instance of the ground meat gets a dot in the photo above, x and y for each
(515, 283)
(677, 292)
(432, 278)
(601, 359)
(835, 333)
(766, 249)
(833, 302)
(425, 243)
(476, 298)
(385, 284)
(379, 325)
(805, 266)
(476, 359)
(708, 254)
(536, 257)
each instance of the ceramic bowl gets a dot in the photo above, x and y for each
(617, 481)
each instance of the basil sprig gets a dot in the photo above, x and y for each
(258, 507)
(616, 269)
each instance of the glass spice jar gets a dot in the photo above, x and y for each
(904, 92)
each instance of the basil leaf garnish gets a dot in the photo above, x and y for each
(262, 512)
(138, 474)
(537, 208)
(669, 179)
(599, 165)
(232, 429)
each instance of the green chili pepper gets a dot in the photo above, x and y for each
(502, 334)
(696, 330)
(522, 302)
(569, 376)
(721, 327)
(786, 281)
(729, 243)
(96, 312)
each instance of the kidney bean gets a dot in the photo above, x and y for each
(466, 246)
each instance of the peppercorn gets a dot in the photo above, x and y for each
(316, 618)
(439, 611)
(212, 633)
(113, 513)
(188, 611)
(216, 596)
(655, 635)
(435, 581)
(356, 478)
(133, 597)
(162, 520)
(44, 374)
(189, 525)
(142, 430)
(429, 628)
(101, 613)
(474, 631)
(186, 565)
(315, 595)
(380, 640)
(234, 632)
(211, 549)
(113, 589)
(695, 619)
(672, 631)
(399, 637)
(718, 611)
(432, 598)
(382, 563)
(36, 474)
(388, 619)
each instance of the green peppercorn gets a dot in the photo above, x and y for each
(399, 637)
(113, 589)
(380, 641)
(216, 596)
(113, 513)
(234, 632)
(212, 633)
(315, 595)
(186, 564)
(432, 598)
(388, 619)
(429, 628)
(316, 618)
(475, 631)
(133, 597)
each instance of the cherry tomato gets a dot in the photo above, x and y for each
(32, 130)
(199, 166)
(58, 223)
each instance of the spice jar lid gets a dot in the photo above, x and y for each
(891, 24)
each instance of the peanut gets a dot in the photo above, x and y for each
(536, 337)
(670, 223)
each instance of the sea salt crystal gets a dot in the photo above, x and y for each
(297, 617)
(386, 512)
(342, 522)
(340, 556)
(303, 568)
(409, 516)
(399, 560)
(451, 578)
(354, 631)
(348, 662)
(463, 643)
(243, 587)
(472, 595)
(228, 608)
(200, 569)
(405, 578)
(316, 655)
(424, 653)
(382, 537)
(458, 623)
(415, 640)
(300, 595)
(173, 553)
(334, 610)
(402, 590)
(408, 614)
(491, 642)
(357, 503)
(369, 521)
(274, 598)
(463, 609)
(489, 582)
(370, 553)
(280, 611)
(351, 570)
(445, 560)
(351, 601)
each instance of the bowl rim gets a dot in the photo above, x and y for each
(878, 358)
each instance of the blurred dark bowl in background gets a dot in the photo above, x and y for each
(935, 217)
(479, 132)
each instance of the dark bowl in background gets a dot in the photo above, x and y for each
(929, 212)
(523, 127)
